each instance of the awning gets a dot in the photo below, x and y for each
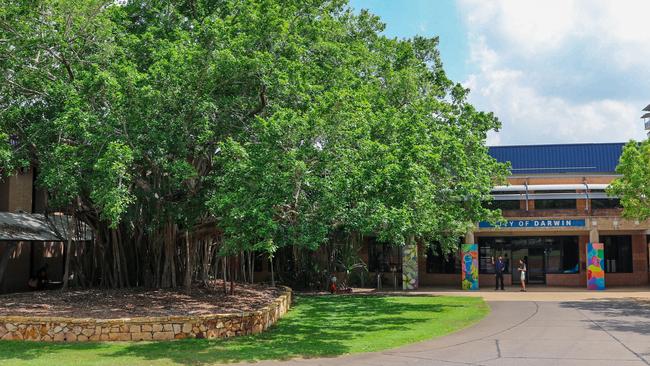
(550, 187)
(549, 196)
(550, 192)
(36, 227)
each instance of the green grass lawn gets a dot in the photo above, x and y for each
(316, 326)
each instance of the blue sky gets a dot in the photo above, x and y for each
(553, 71)
(441, 18)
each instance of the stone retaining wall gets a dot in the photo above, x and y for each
(211, 326)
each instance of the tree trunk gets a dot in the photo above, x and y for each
(207, 254)
(72, 232)
(232, 279)
(124, 269)
(169, 268)
(242, 267)
(233, 269)
(117, 272)
(272, 275)
(224, 261)
(187, 283)
(251, 266)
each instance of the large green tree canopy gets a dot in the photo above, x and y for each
(276, 121)
(633, 187)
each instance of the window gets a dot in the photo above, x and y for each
(382, 257)
(503, 205)
(556, 254)
(555, 204)
(489, 248)
(438, 263)
(605, 203)
(618, 253)
(562, 254)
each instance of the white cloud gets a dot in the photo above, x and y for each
(526, 24)
(527, 55)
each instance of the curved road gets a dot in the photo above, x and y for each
(605, 331)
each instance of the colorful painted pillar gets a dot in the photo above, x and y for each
(469, 257)
(595, 270)
(410, 266)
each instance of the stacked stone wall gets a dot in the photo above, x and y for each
(212, 326)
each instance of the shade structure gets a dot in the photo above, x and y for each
(38, 227)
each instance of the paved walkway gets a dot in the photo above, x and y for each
(543, 327)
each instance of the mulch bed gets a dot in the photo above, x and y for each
(137, 302)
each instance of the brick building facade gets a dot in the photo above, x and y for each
(555, 203)
(27, 241)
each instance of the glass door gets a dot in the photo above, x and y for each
(536, 265)
(519, 251)
(531, 251)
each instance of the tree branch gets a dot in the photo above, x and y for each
(262, 105)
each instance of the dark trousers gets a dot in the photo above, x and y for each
(499, 277)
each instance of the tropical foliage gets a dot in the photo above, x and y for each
(633, 187)
(186, 133)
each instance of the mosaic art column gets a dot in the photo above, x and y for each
(470, 266)
(595, 270)
(410, 266)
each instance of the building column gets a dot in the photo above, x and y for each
(595, 260)
(469, 237)
(593, 235)
(469, 262)
(410, 265)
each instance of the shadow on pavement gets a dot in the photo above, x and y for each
(622, 315)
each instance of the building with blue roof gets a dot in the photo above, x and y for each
(559, 220)
(597, 158)
(557, 210)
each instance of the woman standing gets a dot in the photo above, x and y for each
(522, 269)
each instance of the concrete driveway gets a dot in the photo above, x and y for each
(544, 328)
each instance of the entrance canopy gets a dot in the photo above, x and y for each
(551, 191)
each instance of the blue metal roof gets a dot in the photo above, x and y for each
(560, 158)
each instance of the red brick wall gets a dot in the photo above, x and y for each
(16, 193)
(486, 280)
(439, 279)
(4, 195)
(560, 279)
(20, 198)
(582, 251)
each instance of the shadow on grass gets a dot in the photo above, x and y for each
(316, 327)
(28, 350)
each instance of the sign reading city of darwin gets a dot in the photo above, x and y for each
(528, 224)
